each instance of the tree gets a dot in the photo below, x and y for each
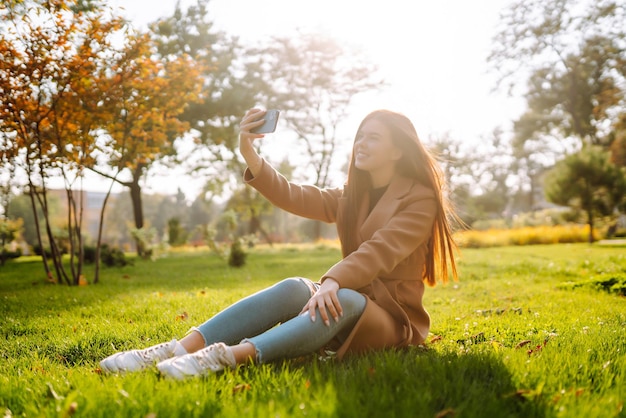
(51, 53)
(310, 77)
(618, 145)
(477, 176)
(535, 34)
(9, 231)
(232, 84)
(251, 205)
(572, 56)
(314, 80)
(177, 234)
(20, 208)
(580, 100)
(587, 181)
(147, 93)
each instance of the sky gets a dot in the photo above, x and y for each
(432, 55)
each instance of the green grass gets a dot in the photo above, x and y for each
(515, 337)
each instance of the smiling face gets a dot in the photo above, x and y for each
(375, 152)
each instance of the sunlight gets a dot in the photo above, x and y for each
(431, 54)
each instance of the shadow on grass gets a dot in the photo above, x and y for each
(424, 383)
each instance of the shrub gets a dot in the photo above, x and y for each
(237, 256)
(559, 234)
(110, 256)
(113, 257)
(89, 254)
(614, 283)
(545, 217)
(9, 255)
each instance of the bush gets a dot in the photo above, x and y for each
(560, 234)
(89, 254)
(545, 217)
(237, 256)
(614, 283)
(486, 224)
(110, 256)
(9, 255)
(620, 233)
(113, 257)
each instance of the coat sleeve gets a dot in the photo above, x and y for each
(409, 228)
(303, 200)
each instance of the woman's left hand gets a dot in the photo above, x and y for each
(325, 299)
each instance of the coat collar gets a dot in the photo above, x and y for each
(384, 209)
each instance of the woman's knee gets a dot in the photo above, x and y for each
(351, 300)
(292, 286)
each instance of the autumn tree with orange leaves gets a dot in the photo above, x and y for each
(51, 56)
(78, 89)
(146, 95)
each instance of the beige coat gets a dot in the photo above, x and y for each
(388, 265)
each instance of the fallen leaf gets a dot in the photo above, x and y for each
(241, 387)
(182, 317)
(446, 413)
(522, 344)
(71, 410)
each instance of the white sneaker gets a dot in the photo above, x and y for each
(135, 360)
(211, 359)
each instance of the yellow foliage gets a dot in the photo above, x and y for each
(523, 236)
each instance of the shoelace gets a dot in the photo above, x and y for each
(213, 357)
(152, 353)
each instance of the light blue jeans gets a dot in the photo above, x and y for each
(269, 320)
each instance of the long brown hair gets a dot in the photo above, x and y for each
(416, 163)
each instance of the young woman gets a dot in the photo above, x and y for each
(393, 223)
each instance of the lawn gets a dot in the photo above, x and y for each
(521, 334)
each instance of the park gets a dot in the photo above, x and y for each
(137, 202)
(527, 331)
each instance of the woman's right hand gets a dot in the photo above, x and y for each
(252, 119)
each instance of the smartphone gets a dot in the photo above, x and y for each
(271, 119)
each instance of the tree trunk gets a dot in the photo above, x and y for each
(135, 197)
(44, 258)
(96, 278)
(590, 222)
(317, 231)
(254, 225)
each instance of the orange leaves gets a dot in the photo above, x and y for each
(242, 387)
(62, 80)
(446, 413)
(537, 348)
(147, 96)
(50, 85)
